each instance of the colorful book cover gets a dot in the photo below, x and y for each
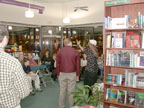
(121, 96)
(131, 98)
(113, 95)
(132, 39)
(139, 100)
(140, 81)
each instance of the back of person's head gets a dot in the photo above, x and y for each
(67, 41)
(3, 32)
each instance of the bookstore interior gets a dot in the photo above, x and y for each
(116, 25)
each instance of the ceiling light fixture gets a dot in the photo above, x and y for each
(66, 20)
(29, 13)
(9, 27)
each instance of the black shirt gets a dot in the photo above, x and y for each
(27, 69)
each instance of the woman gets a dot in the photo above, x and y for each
(91, 70)
(47, 60)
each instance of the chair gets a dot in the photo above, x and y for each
(45, 77)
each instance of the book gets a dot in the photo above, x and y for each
(139, 100)
(132, 39)
(113, 95)
(121, 96)
(131, 98)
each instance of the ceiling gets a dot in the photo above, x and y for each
(50, 1)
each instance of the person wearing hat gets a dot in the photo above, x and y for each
(91, 70)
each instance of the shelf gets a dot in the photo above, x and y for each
(125, 29)
(124, 105)
(125, 67)
(125, 87)
(124, 48)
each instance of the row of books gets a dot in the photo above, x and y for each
(129, 39)
(129, 78)
(125, 97)
(125, 58)
(124, 22)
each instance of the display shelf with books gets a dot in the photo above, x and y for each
(124, 54)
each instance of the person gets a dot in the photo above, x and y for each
(68, 71)
(32, 62)
(31, 76)
(83, 65)
(36, 48)
(21, 58)
(101, 65)
(91, 70)
(14, 85)
(47, 60)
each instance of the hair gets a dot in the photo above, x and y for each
(25, 60)
(67, 41)
(3, 32)
(93, 49)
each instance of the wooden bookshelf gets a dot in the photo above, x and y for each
(120, 105)
(117, 11)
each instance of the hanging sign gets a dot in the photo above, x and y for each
(117, 2)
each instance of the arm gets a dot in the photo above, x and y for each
(78, 43)
(58, 64)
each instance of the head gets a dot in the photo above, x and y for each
(21, 58)
(92, 42)
(36, 43)
(47, 53)
(67, 42)
(26, 62)
(3, 35)
(54, 56)
(29, 56)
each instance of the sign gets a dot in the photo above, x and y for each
(117, 2)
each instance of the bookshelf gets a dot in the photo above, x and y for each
(130, 14)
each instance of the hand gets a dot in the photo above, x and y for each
(78, 42)
(77, 78)
(32, 74)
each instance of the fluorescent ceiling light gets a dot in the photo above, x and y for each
(29, 14)
(66, 20)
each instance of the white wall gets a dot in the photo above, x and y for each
(54, 13)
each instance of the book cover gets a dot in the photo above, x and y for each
(131, 97)
(140, 81)
(121, 96)
(132, 39)
(113, 95)
(141, 61)
(139, 100)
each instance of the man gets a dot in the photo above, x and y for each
(14, 85)
(31, 76)
(32, 62)
(67, 68)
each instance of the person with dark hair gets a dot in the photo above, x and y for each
(31, 76)
(91, 70)
(14, 84)
(68, 71)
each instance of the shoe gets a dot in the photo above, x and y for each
(32, 93)
(39, 90)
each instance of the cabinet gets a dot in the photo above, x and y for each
(123, 44)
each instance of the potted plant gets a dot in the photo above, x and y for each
(85, 95)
